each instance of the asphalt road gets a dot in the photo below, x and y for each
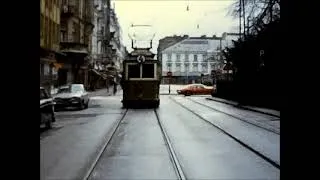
(108, 142)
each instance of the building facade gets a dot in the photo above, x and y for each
(108, 50)
(189, 58)
(49, 42)
(75, 40)
(167, 42)
(227, 39)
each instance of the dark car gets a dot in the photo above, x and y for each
(73, 95)
(47, 116)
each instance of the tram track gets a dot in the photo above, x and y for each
(250, 148)
(172, 153)
(236, 117)
(95, 162)
(173, 157)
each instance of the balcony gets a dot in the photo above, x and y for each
(68, 10)
(101, 14)
(48, 78)
(63, 26)
(72, 43)
(100, 34)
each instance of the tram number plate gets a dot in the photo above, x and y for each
(169, 73)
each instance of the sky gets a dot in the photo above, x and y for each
(170, 17)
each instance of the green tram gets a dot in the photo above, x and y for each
(141, 78)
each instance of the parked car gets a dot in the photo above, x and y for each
(196, 89)
(73, 95)
(47, 116)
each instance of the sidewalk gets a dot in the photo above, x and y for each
(104, 92)
(270, 112)
(100, 92)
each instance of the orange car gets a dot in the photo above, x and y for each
(196, 89)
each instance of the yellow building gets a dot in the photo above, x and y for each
(50, 24)
(49, 40)
(76, 30)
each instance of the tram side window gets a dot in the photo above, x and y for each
(148, 71)
(134, 71)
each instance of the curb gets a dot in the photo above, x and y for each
(242, 107)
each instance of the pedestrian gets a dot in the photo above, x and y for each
(115, 86)
(107, 84)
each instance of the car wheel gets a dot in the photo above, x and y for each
(82, 105)
(53, 117)
(49, 122)
(87, 105)
(188, 93)
(124, 105)
(157, 104)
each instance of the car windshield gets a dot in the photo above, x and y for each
(76, 88)
(64, 90)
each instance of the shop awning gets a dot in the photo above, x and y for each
(83, 52)
(98, 73)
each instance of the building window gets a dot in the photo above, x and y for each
(41, 69)
(204, 68)
(169, 57)
(57, 33)
(169, 65)
(178, 57)
(102, 29)
(186, 57)
(195, 67)
(205, 58)
(49, 33)
(178, 66)
(41, 25)
(45, 31)
(195, 57)
(63, 36)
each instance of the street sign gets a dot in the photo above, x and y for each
(169, 73)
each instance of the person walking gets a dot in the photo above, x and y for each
(107, 85)
(115, 86)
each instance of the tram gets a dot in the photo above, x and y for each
(141, 78)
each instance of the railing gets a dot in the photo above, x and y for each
(69, 10)
(100, 34)
(48, 78)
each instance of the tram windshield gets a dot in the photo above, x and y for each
(148, 71)
(134, 71)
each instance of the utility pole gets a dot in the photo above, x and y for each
(244, 18)
(248, 25)
(240, 4)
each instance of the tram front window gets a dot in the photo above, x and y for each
(148, 71)
(134, 71)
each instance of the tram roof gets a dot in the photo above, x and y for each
(145, 52)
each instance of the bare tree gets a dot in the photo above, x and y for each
(260, 12)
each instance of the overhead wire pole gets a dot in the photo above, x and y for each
(240, 3)
(244, 18)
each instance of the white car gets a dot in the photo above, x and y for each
(73, 95)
